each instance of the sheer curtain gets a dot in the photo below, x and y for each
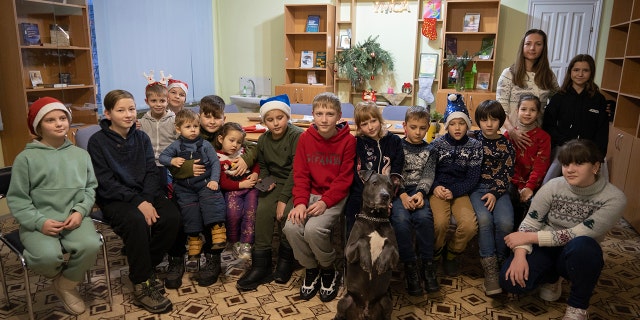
(133, 37)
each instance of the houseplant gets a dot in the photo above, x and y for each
(363, 62)
(460, 64)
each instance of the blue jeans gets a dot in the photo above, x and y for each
(404, 222)
(492, 226)
(579, 261)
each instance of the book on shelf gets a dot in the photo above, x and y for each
(306, 59)
(486, 49)
(30, 34)
(311, 77)
(471, 22)
(452, 46)
(36, 78)
(432, 9)
(482, 83)
(313, 23)
(321, 59)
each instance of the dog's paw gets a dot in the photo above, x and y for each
(365, 264)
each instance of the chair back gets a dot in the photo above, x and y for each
(231, 108)
(83, 135)
(396, 113)
(5, 179)
(347, 110)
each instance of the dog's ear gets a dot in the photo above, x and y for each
(365, 175)
(396, 181)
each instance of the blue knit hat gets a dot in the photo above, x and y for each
(456, 109)
(280, 102)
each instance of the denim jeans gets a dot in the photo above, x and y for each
(580, 262)
(405, 223)
(494, 225)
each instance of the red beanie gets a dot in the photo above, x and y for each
(40, 108)
(177, 83)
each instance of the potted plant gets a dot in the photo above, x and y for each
(459, 64)
(363, 62)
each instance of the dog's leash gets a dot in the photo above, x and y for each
(373, 219)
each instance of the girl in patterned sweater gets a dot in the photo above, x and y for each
(560, 236)
(490, 199)
(458, 160)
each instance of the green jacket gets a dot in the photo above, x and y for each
(50, 183)
(275, 158)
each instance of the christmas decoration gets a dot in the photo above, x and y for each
(363, 61)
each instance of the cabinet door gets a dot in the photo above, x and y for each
(473, 99)
(289, 90)
(310, 92)
(632, 187)
(619, 152)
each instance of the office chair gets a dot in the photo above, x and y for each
(12, 241)
(394, 113)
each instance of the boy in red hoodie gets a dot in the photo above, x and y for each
(322, 175)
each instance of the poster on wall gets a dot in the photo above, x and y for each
(432, 9)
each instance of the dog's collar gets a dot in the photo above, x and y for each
(365, 217)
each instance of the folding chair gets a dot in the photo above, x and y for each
(12, 241)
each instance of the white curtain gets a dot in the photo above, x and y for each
(137, 36)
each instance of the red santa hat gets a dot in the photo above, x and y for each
(40, 108)
(178, 84)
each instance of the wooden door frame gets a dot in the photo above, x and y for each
(595, 24)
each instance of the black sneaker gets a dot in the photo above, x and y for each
(330, 279)
(451, 267)
(311, 284)
(174, 273)
(209, 271)
(147, 297)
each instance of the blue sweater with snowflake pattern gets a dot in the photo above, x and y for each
(458, 163)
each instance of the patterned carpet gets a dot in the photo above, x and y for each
(617, 296)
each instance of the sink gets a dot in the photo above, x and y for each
(247, 103)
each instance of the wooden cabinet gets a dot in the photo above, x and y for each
(297, 39)
(619, 82)
(345, 26)
(424, 45)
(471, 99)
(53, 60)
(302, 93)
(454, 12)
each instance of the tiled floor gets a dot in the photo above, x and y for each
(617, 295)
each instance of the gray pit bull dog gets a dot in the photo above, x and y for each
(371, 253)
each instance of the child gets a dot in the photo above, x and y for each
(377, 149)
(531, 162)
(490, 199)
(322, 174)
(560, 236)
(130, 197)
(158, 124)
(276, 150)
(578, 111)
(239, 193)
(410, 212)
(457, 172)
(178, 91)
(51, 195)
(199, 197)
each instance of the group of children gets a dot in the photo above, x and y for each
(192, 179)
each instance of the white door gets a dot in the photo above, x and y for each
(571, 27)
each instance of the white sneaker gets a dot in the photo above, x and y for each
(244, 252)
(573, 313)
(551, 291)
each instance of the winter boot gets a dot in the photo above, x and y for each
(219, 236)
(66, 291)
(330, 284)
(310, 284)
(209, 271)
(413, 279)
(147, 297)
(429, 269)
(286, 264)
(451, 264)
(174, 273)
(259, 273)
(491, 275)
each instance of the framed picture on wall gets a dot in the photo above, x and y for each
(471, 22)
(428, 63)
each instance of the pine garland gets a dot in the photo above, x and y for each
(364, 61)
